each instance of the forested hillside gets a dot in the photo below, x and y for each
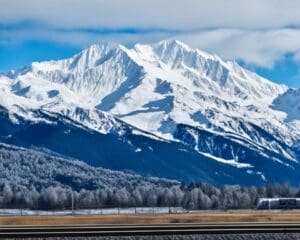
(38, 180)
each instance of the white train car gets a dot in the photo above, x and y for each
(278, 203)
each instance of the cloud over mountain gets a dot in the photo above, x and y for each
(259, 33)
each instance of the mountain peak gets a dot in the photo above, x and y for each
(289, 103)
(172, 43)
(100, 69)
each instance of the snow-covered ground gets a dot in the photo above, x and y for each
(103, 211)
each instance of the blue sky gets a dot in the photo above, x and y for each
(285, 71)
(22, 54)
(262, 35)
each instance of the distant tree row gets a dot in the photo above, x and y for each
(201, 196)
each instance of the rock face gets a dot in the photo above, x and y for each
(168, 110)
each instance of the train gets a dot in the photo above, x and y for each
(278, 203)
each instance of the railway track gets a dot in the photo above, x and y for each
(134, 230)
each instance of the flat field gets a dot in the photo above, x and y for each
(196, 217)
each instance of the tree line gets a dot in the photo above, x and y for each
(193, 196)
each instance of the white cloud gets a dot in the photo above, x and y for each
(254, 31)
(259, 47)
(175, 14)
(262, 48)
(78, 38)
(296, 57)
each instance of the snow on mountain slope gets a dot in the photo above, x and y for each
(158, 87)
(91, 74)
(136, 153)
(23, 96)
(289, 103)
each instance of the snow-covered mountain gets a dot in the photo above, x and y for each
(168, 92)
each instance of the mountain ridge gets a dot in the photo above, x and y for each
(169, 90)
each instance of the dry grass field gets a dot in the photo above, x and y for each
(200, 217)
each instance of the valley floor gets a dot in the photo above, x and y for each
(194, 217)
